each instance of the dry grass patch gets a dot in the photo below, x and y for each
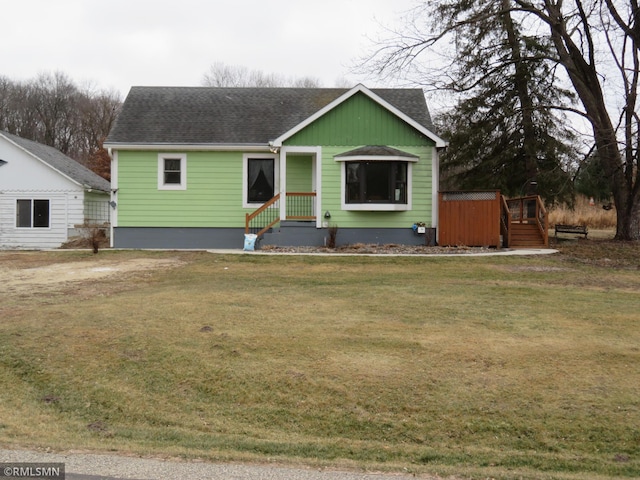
(583, 213)
(503, 367)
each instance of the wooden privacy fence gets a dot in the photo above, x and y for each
(470, 218)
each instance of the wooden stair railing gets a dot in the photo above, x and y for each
(299, 206)
(542, 220)
(264, 217)
(505, 222)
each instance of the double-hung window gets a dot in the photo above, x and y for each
(172, 171)
(260, 179)
(32, 213)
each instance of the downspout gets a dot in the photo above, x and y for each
(435, 187)
(113, 204)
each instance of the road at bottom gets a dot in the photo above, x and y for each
(88, 466)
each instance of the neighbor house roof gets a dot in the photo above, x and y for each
(60, 162)
(239, 116)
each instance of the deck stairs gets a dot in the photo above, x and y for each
(524, 223)
(526, 235)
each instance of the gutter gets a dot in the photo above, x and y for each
(219, 147)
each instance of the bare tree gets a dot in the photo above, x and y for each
(582, 34)
(223, 75)
(52, 110)
(56, 101)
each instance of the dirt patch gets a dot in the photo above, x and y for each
(534, 268)
(18, 280)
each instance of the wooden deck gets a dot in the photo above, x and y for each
(488, 219)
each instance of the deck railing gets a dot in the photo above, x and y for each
(299, 206)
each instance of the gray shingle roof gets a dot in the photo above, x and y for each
(61, 162)
(238, 116)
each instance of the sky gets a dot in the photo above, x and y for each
(117, 44)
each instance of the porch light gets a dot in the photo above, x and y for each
(327, 214)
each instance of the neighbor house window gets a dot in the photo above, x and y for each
(376, 182)
(260, 178)
(32, 213)
(172, 171)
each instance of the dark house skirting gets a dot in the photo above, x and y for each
(233, 238)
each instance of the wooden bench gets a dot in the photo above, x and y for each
(577, 229)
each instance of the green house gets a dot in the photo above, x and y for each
(199, 167)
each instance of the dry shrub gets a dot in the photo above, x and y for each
(89, 236)
(593, 216)
(333, 235)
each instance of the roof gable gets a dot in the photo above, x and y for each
(356, 120)
(240, 116)
(401, 103)
(59, 162)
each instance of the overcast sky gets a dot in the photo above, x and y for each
(116, 44)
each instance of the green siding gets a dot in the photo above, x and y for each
(213, 197)
(299, 173)
(422, 189)
(359, 121)
(214, 191)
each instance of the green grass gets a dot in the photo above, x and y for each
(503, 367)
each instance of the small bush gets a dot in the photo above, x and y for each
(333, 234)
(94, 235)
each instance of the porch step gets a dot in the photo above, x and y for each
(297, 223)
(294, 233)
(524, 235)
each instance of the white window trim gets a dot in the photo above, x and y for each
(376, 207)
(183, 171)
(32, 227)
(245, 176)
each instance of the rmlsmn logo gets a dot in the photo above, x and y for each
(40, 471)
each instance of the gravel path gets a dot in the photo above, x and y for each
(85, 466)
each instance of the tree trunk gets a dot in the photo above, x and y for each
(584, 77)
(529, 141)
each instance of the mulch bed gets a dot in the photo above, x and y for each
(368, 249)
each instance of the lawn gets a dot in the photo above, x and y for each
(503, 367)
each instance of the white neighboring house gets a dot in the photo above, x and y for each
(45, 195)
